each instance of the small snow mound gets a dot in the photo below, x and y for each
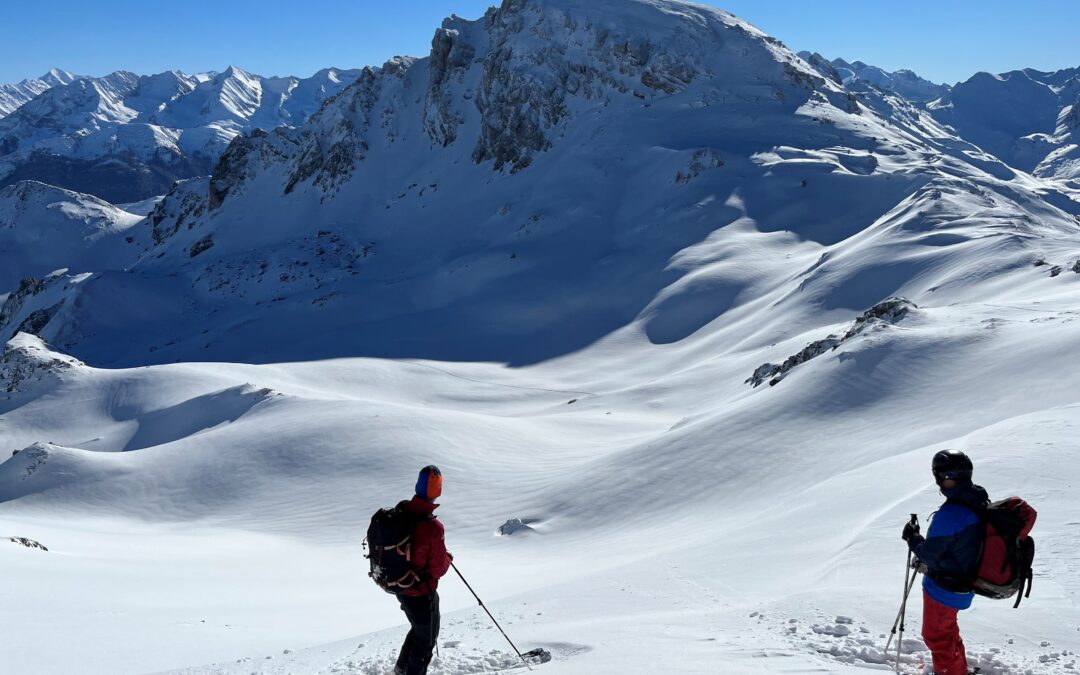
(833, 629)
(28, 360)
(516, 526)
(28, 543)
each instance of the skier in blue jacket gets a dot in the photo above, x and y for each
(950, 551)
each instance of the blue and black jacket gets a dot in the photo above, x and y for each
(952, 546)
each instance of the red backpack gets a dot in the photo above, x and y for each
(1007, 551)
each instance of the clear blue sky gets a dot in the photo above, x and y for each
(942, 40)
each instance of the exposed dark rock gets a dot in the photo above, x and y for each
(28, 543)
(229, 171)
(515, 526)
(202, 245)
(889, 311)
(182, 205)
(28, 287)
(37, 320)
(26, 359)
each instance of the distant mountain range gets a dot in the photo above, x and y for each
(1026, 118)
(14, 95)
(125, 137)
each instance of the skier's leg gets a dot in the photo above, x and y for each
(423, 612)
(410, 638)
(942, 637)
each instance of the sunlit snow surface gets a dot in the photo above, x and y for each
(571, 344)
(679, 518)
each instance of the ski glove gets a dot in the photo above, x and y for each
(911, 530)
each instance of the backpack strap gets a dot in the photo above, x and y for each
(978, 509)
(403, 547)
(412, 578)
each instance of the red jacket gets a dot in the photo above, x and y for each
(429, 557)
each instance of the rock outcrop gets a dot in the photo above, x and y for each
(27, 362)
(889, 311)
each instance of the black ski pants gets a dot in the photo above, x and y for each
(423, 614)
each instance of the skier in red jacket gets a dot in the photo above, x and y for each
(430, 560)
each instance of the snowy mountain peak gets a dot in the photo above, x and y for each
(12, 96)
(903, 82)
(507, 86)
(56, 77)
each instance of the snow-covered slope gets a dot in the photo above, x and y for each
(550, 258)
(550, 156)
(44, 229)
(1027, 118)
(14, 95)
(124, 137)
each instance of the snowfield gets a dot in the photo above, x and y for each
(210, 393)
(746, 530)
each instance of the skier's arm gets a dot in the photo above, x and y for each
(429, 557)
(953, 529)
(438, 557)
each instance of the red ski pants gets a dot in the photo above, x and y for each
(942, 637)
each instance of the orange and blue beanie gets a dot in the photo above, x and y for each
(429, 485)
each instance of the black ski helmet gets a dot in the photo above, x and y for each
(952, 465)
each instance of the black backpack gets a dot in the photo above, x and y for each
(389, 542)
(1008, 551)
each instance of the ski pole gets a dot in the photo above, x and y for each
(523, 659)
(907, 589)
(903, 605)
(908, 585)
